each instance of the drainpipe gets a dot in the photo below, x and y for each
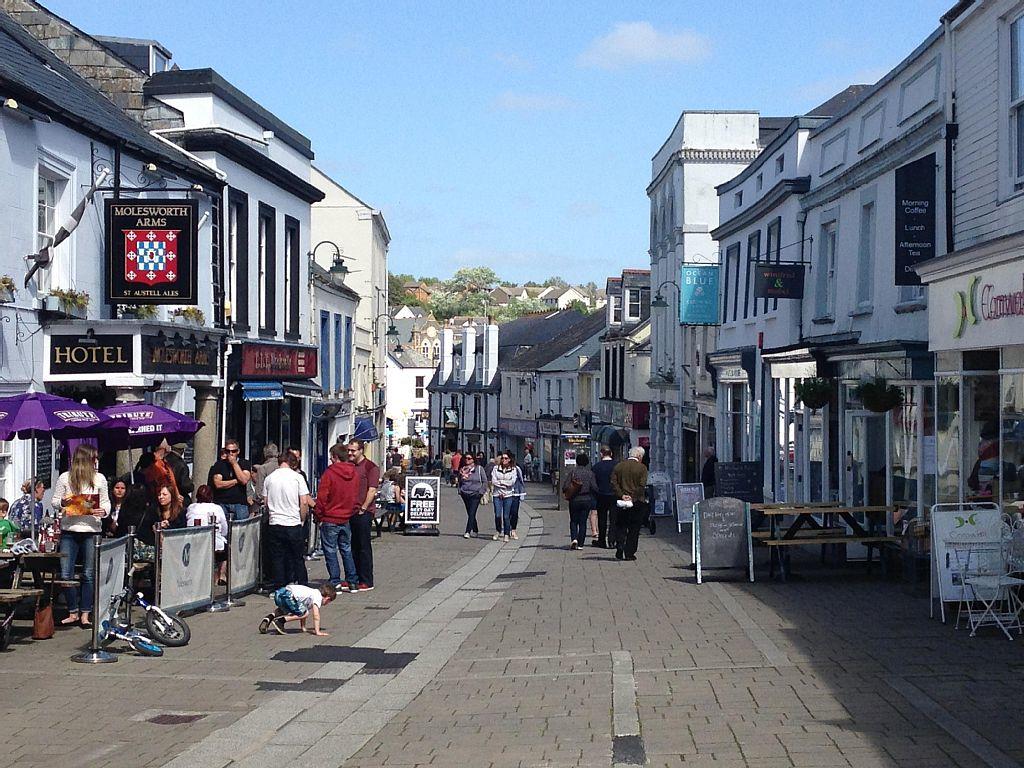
(802, 220)
(224, 399)
(156, 134)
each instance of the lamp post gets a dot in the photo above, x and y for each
(338, 268)
(658, 302)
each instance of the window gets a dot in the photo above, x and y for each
(616, 305)
(238, 257)
(426, 349)
(266, 282)
(866, 255)
(633, 304)
(292, 278)
(547, 398)
(780, 164)
(759, 182)
(50, 212)
(340, 358)
(1017, 99)
(732, 262)
(826, 283)
(420, 385)
(161, 63)
(559, 398)
(737, 199)
(753, 246)
(346, 377)
(772, 250)
(325, 351)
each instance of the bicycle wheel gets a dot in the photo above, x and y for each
(170, 631)
(145, 647)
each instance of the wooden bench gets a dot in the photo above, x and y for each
(10, 599)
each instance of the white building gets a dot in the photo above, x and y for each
(703, 150)
(824, 192)
(360, 233)
(408, 408)
(464, 392)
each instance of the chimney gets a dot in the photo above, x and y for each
(490, 352)
(468, 353)
(447, 348)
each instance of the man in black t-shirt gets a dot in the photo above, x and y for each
(228, 479)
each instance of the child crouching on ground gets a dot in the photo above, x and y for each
(296, 602)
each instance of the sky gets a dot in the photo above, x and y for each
(517, 136)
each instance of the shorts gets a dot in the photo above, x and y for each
(287, 602)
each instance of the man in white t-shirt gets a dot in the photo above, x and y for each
(287, 498)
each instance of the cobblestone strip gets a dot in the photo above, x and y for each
(986, 751)
(326, 729)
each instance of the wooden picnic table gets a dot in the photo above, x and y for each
(806, 529)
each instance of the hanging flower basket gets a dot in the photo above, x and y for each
(878, 396)
(814, 393)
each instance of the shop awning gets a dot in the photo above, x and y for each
(608, 435)
(365, 429)
(262, 390)
(302, 389)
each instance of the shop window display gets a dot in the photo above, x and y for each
(1013, 437)
(947, 443)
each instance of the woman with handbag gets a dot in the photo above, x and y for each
(472, 484)
(504, 477)
(579, 488)
(81, 493)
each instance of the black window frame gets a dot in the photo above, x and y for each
(733, 253)
(292, 235)
(238, 204)
(269, 214)
(770, 246)
(753, 246)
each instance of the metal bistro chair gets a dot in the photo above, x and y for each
(989, 590)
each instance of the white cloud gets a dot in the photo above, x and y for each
(514, 101)
(632, 43)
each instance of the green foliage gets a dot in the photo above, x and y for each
(517, 308)
(555, 281)
(472, 279)
(579, 306)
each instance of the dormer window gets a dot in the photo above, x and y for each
(780, 164)
(161, 63)
(737, 200)
(616, 303)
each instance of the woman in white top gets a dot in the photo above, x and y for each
(202, 512)
(503, 488)
(81, 493)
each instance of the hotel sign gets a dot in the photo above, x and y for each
(90, 353)
(151, 251)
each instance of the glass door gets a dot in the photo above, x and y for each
(865, 467)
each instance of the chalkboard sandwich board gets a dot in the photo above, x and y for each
(721, 536)
(687, 494)
(740, 480)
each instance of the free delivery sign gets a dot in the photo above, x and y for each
(698, 294)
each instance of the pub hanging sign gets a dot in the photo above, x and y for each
(779, 281)
(152, 251)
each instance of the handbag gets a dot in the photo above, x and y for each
(572, 488)
(487, 498)
(42, 622)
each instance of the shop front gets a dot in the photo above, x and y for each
(272, 386)
(111, 361)
(976, 329)
(517, 435)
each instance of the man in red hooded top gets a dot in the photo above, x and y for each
(335, 502)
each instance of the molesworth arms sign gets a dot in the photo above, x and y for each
(151, 251)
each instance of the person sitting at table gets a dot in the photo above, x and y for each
(8, 528)
(27, 510)
(81, 493)
(138, 511)
(118, 492)
(204, 512)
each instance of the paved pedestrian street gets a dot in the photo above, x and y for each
(479, 653)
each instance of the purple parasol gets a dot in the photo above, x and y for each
(149, 424)
(34, 414)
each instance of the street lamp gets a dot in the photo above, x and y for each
(338, 268)
(658, 302)
(391, 333)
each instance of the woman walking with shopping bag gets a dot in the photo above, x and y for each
(472, 484)
(580, 489)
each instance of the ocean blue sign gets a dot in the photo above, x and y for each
(698, 294)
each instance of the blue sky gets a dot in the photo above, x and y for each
(517, 137)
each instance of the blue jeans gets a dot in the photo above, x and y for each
(335, 537)
(503, 514)
(579, 515)
(236, 511)
(74, 544)
(513, 516)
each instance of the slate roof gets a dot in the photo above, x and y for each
(837, 103)
(32, 74)
(410, 358)
(586, 327)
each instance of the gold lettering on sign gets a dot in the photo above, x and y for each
(89, 355)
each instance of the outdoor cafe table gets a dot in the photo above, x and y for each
(806, 529)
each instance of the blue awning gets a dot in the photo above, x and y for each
(262, 390)
(365, 429)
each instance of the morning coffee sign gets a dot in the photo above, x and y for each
(151, 251)
(915, 218)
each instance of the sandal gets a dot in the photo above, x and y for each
(71, 619)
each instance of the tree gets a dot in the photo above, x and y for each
(555, 281)
(578, 306)
(472, 279)
(517, 308)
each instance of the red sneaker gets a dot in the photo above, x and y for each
(360, 587)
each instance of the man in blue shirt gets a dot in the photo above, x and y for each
(605, 498)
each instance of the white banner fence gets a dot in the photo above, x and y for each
(184, 568)
(244, 546)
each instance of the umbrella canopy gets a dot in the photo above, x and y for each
(149, 424)
(35, 414)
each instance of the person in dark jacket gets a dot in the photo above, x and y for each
(174, 458)
(707, 472)
(629, 479)
(336, 499)
(472, 484)
(580, 487)
(605, 499)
